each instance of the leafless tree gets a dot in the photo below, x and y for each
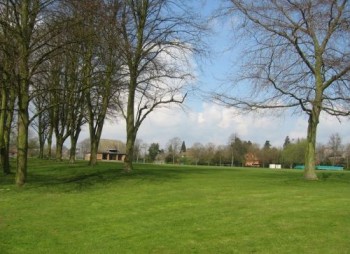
(158, 39)
(29, 28)
(7, 83)
(347, 155)
(297, 57)
(196, 152)
(41, 123)
(210, 149)
(93, 50)
(174, 146)
(336, 148)
(138, 148)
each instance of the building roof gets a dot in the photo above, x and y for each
(109, 144)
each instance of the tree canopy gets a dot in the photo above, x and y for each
(297, 57)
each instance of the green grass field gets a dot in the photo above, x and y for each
(172, 209)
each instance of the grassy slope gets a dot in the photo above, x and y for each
(164, 209)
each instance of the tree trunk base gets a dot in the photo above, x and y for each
(92, 163)
(20, 180)
(127, 168)
(310, 176)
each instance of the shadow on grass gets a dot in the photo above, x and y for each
(62, 176)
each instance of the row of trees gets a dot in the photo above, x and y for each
(66, 63)
(70, 63)
(235, 151)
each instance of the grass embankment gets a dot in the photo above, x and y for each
(168, 209)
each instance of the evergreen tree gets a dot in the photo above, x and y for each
(286, 142)
(153, 151)
(183, 147)
(267, 145)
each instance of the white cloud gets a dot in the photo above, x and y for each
(200, 118)
(215, 124)
(330, 125)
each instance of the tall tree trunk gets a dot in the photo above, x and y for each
(7, 131)
(61, 137)
(41, 136)
(73, 148)
(131, 130)
(6, 158)
(41, 149)
(314, 118)
(7, 135)
(2, 129)
(59, 148)
(23, 96)
(128, 166)
(8, 97)
(310, 173)
(93, 151)
(95, 129)
(2, 161)
(72, 152)
(22, 140)
(28, 11)
(310, 155)
(95, 133)
(49, 143)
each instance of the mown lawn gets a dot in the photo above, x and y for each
(172, 209)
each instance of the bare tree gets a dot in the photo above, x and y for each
(7, 83)
(158, 37)
(95, 66)
(336, 148)
(298, 57)
(30, 32)
(174, 146)
(321, 153)
(100, 98)
(197, 152)
(347, 155)
(41, 123)
(210, 149)
(138, 148)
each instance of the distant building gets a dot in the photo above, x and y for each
(251, 160)
(109, 150)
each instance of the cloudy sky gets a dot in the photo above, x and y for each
(204, 122)
(215, 124)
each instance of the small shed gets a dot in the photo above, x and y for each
(109, 150)
(276, 166)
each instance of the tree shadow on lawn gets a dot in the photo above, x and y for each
(65, 177)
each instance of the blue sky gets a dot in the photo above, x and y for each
(205, 122)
